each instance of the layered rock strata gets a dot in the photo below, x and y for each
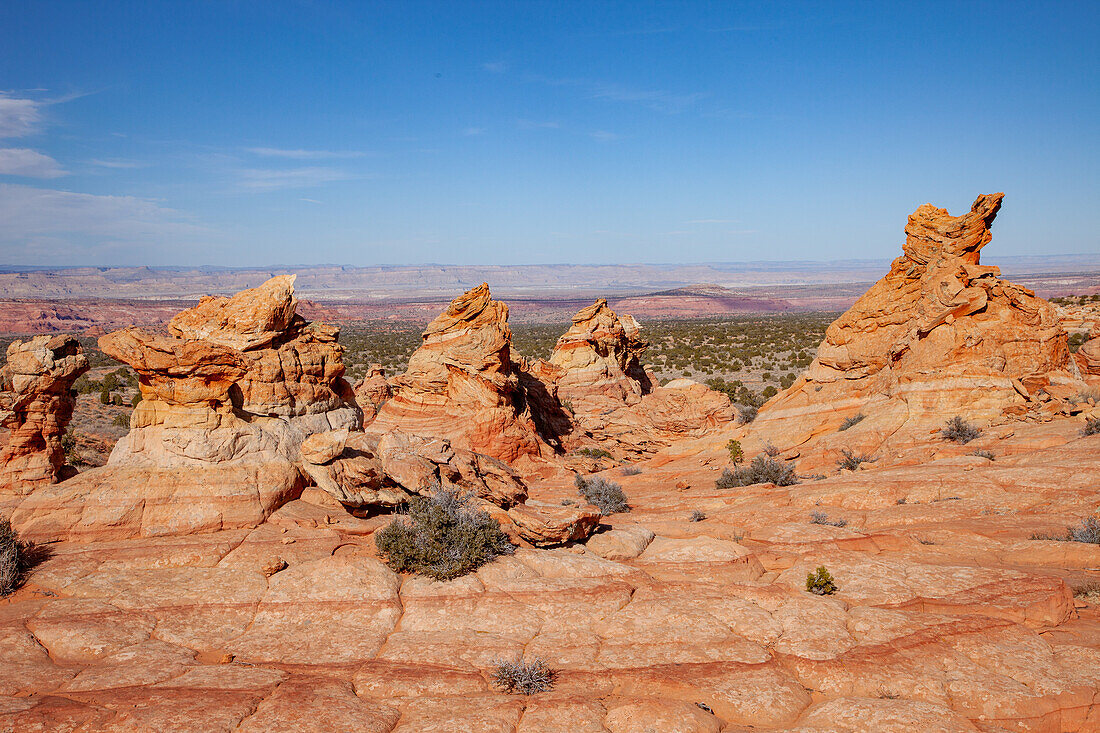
(940, 335)
(36, 404)
(461, 384)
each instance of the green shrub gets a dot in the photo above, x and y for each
(1092, 426)
(817, 517)
(820, 582)
(762, 470)
(607, 495)
(736, 453)
(959, 431)
(442, 536)
(851, 461)
(522, 678)
(595, 453)
(849, 422)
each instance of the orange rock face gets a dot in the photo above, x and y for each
(461, 384)
(36, 405)
(372, 392)
(940, 335)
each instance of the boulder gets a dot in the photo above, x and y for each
(544, 524)
(372, 392)
(36, 404)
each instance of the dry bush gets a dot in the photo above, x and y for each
(1092, 426)
(959, 431)
(849, 422)
(522, 678)
(10, 563)
(606, 495)
(817, 517)
(442, 536)
(697, 516)
(851, 461)
(762, 469)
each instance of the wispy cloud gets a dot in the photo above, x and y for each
(19, 116)
(473, 131)
(275, 179)
(536, 125)
(712, 221)
(495, 67)
(29, 163)
(301, 154)
(79, 221)
(603, 136)
(116, 163)
(658, 100)
(312, 201)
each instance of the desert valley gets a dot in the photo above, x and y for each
(903, 534)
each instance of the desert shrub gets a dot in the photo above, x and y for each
(522, 678)
(595, 453)
(849, 422)
(631, 471)
(697, 516)
(820, 582)
(607, 495)
(1087, 531)
(983, 453)
(122, 421)
(817, 517)
(746, 414)
(851, 461)
(442, 536)
(10, 567)
(736, 453)
(761, 470)
(959, 431)
(1092, 426)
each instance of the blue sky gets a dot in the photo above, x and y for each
(258, 133)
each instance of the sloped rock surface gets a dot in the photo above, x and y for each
(36, 404)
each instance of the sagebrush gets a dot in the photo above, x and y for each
(849, 422)
(960, 431)
(762, 469)
(849, 461)
(10, 562)
(442, 536)
(1092, 426)
(522, 678)
(817, 517)
(606, 495)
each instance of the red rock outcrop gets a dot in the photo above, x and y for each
(36, 405)
(228, 397)
(461, 384)
(372, 392)
(596, 374)
(600, 360)
(940, 335)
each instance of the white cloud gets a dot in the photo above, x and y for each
(536, 125)
(473, 131)
(28, 163)
(712, 221)
(300, 154)
(117, 163)
(18, 116)
(274, 179)
(604, 136)
(495, 67)
(44, 224)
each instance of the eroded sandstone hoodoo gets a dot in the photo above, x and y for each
(36, 405)
(461, 384)
(228, 397)
(940, 335)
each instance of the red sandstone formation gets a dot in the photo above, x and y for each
(461, 384)
(227, 400)
(36, 405)
(940, 335)
(372, 392)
